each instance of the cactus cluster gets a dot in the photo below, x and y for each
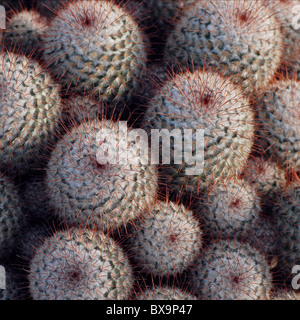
(149, 150)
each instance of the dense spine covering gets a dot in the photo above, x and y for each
(12, 219)
(205, 101)
(30, 112)
(279, 115)
(229, 208)
(85, 188)
(95, 47)
(166, 240)
(232, 270)
(24, 32)
(80, 264)
(238, 38)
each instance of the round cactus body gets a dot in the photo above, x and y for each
(202, 102)
(95, 47)
(167, 240)
(232, 270)
(12, 219)
(30, 112)
(229, 208)
(279, 114)
(238, 38)
(88, 182)
(80, 265)
(265, 175)
(24, 32)
(287, 13)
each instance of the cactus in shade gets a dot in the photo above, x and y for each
(205, 101)
(14, 285)
(287, 14)
(88, 182)
(79, 109)
(240, 38)
(262, 234)
(167, 240)
(285, 294)
(163, 14)
(24, 32)
(30, 111)
(80, 264)
(49, 8)
(12, 219)
(165, 293)
(95, 47)
(279, 115)
(35, 201)
(266, 175)
(232, 270)
(229, 208)
(286, 208)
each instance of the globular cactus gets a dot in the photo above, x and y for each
(24, 32)
(85, 186)
(206, 102)
(80, 264)
(286, 207)
(12, 219)
(285, 294)
(166, 241)
(229, 208)
(287, 13)
(96, 48)
(30, 112)
(279, 115)
(232, 270)
(239, 38)
(266, 175)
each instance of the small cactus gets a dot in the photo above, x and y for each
(229, 208)
(95, 47)
(30, 112)
(279, 114)
(166, 240)
(84, 188)
(203, 100)
(232, 270)
(80, 264)
(24, 32)
(239, 38)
